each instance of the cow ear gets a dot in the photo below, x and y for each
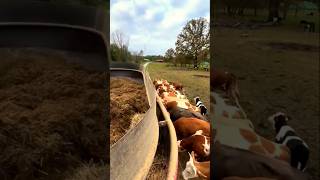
(192, 156)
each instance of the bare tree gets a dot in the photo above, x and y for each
(122, 42)
(193, 39)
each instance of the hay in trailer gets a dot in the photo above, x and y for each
(51, 115)
(128, 103)
(160, 165)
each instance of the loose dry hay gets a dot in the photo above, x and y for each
(159, 168)
(51, 116)
(128, 102)
(89, 172)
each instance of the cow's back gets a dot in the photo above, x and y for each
(230, 161)
(186, 127)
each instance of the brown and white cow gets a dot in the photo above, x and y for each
(220, 79)
(178, 112)
(221, 108)
(186, 127)
(229, 161)
(172, 92)
(247, 139)
(197, 143)
(239, 133)
(196, 169)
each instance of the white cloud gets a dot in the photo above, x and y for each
(154, 25)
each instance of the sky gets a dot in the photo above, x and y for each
(153, 25)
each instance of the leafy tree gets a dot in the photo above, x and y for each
(193, 39)
(169, 56)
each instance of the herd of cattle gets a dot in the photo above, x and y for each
(238, 151)
(192, 127)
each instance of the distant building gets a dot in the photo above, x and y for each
(159, 60)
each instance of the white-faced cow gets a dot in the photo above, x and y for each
(197, 143)
(196, 169)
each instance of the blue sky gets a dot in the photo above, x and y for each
(153, 25)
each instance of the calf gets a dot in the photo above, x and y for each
(178, 112)
(197, 143)
(196, 169)
(186, 127)
(225, 80)
(288, 137)
(199, 104)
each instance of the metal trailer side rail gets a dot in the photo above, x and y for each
(173, 160)
(131, 156)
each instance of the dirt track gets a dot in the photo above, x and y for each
(278, 70)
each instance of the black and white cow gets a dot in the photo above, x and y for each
(199, 104)
(287, 136)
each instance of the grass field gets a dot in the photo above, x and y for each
(196, 83)
(278, 70)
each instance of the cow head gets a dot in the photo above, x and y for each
(190, 171)
(171, 105)
(196, 99)
(278, 119)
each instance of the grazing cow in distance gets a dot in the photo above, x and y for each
(287, 136)
(196, 169)
(228, 161)
(178, 112)
(199, 104)
(198, 143)
(225, 80)
(186, 127)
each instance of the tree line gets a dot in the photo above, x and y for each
(276, 8)
(119, 49)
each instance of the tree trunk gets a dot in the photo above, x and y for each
(273, 9)
(255, 12)
(229, 10)
(195, 62)
(285, 12)
(296, 12)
